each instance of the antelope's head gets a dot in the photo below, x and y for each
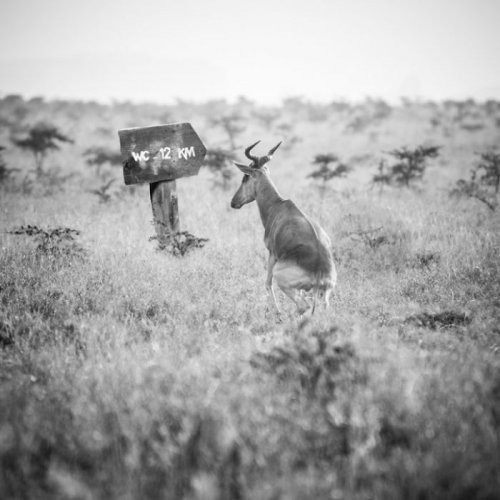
(247, 191)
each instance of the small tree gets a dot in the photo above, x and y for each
(484, 183)
(5, 172)
(325, 173)
(6, 177)
(102, 192)
(232, 125)
(489, 167)
(220, 162)
(99, 156)
(267, 116)
(41, 139)
(382, 177)
(411, 164)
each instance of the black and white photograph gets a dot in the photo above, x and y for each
(249, 250)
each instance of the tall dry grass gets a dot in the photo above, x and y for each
(135, 374)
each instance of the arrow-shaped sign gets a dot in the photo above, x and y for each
(160, 153)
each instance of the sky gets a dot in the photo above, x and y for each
(265, 50)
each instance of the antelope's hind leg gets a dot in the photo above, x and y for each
(327, 294)
(297, 298)
(291, 279)
(269, 281)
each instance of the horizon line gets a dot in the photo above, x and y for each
(419, 99)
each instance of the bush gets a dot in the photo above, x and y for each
(58, 243)
(484, 182)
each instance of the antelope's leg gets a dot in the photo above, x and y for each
(269, 281)
(328, 291)
(292, 279)
(296, 298)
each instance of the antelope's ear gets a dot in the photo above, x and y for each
(245, 168)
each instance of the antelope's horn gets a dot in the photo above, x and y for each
(248, 155)
(271, 151)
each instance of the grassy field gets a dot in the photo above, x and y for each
(130, 373)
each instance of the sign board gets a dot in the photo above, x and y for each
(160, 153)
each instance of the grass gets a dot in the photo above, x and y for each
(130, 373)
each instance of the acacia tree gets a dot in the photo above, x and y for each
(220, 159)
(382, 177)
(220, 162)
(232, 126)
(267, 116)
(411, 164)
(489, 168)
(6, 176)
(326, 173)
(42, 139)
(484, 183)
(99, 156)
(4, 171)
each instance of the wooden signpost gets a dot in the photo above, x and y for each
(159, 155)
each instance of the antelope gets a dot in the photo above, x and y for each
(299, 249)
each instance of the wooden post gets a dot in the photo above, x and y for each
(163, 195)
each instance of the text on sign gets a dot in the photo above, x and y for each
(165, 153)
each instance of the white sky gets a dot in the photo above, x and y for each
(159, 50)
